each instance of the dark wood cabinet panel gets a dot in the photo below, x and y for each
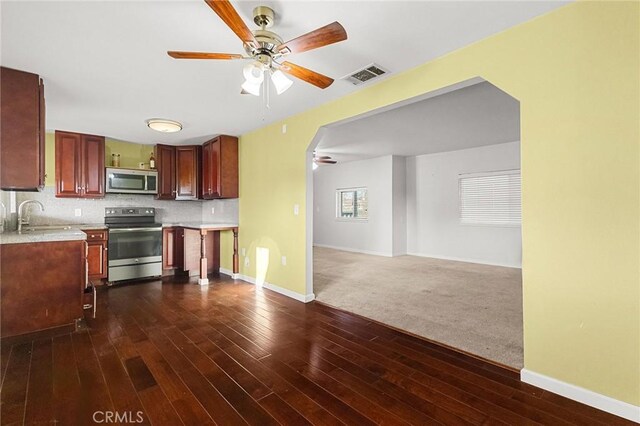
(207, 170)
(68, 164)
(92, 166)
(169, 248)
(187, 172)
(22, 125)
(179, 249)
(79, 165)
(97, 259)
(97, 253)
(165, 156)
(42, 285)
(220, 168)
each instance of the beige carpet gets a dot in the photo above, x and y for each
(473, 307)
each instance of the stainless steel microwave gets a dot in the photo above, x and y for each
(132, 181)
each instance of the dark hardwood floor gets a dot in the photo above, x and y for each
(170, 353)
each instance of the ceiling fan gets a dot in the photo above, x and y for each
(323, 159)
(265, 48)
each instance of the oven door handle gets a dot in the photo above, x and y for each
(121, 230)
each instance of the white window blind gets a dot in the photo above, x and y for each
(491, 198)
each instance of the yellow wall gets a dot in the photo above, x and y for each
(130, 155)
(575, 72)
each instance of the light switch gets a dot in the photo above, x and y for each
(78, 212)
(284, 128)
(284, 260)
(244, 252)
(246, 261)
(296, 209)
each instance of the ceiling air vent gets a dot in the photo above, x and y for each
(365, 74)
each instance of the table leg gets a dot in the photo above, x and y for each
(236, 258)
(203, 280)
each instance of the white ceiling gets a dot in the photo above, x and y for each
(106, 69)
(474, 116)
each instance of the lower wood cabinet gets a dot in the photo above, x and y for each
(42, 286)
(97, 255)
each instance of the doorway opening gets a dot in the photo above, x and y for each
(418, 224)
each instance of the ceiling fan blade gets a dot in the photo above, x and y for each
(202, 55)
(325, 161)
(322, 157)
(312, 77)
(323, 36)
(228, 14)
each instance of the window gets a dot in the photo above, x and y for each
(352, 203)
(491, 198)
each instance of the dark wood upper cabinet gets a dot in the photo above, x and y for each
(187, 172)
(22, 124)
(220, 168)
(165, 156)
(93, 166)
(79, 165)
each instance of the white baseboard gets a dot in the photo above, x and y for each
(460, 259)
(352, 250)
(585, 396)
(286, 292)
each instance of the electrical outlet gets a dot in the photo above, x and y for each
(296, 209)
(78, 212)
(244, 252)
(213, 210)
(284, 128)
(246, 262)
(284, 260)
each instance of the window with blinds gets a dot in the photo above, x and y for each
(491, 198)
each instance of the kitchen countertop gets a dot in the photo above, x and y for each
(42, 236)
(201, 225)
(75, 231)
(83, 226)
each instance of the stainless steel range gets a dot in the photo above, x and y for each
(135, 243)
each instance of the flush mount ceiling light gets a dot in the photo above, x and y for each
(164, 126)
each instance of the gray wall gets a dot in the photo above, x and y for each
(373, 236)
(414, 207)
(433, 222)
(399, 194)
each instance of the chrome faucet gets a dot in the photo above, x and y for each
(21, 220)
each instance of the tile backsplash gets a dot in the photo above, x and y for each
(62, 210)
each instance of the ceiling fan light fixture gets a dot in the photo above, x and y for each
(251, 87)
(164, 126)
(253, 73)
(281, 82)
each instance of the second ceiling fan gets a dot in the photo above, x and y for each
(265, 48)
